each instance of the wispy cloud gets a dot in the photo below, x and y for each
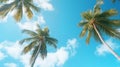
(32, 25)
(10, 65)
(102, 50)
(58, 58)
(45, 4)
(28, 25)
(2, 55)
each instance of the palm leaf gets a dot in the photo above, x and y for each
(29, 47)
(87, 15)
(29, 13)
(109, 13)
(27, 40)
(33, 54)
(97, 9)
(82, 23)
(84, 31)
(110, 31)
(43, 51)
(31, 5)
(51, 41)
(88, 37)
(29, 32)
(19, 12)
(6, 8)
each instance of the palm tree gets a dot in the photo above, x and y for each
(97, 23)
(38, 41)
(18, 6)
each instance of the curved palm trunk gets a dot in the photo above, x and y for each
(104, 43)
(36, 55)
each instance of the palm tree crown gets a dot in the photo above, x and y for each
(102, 20)
(38, 41)
(18, 6)
(97, 23)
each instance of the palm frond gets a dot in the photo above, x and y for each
(97, 9)
(29, 47)
(109, 31)
(27, 40)
(19, 12)
(29, 13)
(84, 31)
(115, 23)
(43, 51)
(81, 24)
(31, 5)
(109, 13)
(33, 54)
(51, 41)
(87, 15)
(29, 32)
(88, 36)
(6, 8)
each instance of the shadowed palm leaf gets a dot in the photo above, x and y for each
(97, 23)
(18, 6)
(38, 41)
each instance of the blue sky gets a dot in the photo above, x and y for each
(62, 17)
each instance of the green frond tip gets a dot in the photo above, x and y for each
(46, 29)
(84, 31)
(109, 13)
(88, 37)
(97, 9)
(87, 15)
(82, 23)
(29, 13)
(29, 47)
(18, 14)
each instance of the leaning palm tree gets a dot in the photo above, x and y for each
(19, 7)
(97, 23)
(38, 42)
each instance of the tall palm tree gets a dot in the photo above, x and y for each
(18, 6)
(97, 23)
(38, 41)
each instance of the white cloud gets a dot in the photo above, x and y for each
(103, 50)
(58, 58)
(32, 25)
(28, 25)
(3, 20)
(45, 4)
(2, 55)
(41, 20)
(10, 65)
(11, 48)
(53, 59)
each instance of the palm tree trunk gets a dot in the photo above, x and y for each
(36, 55)
(104, 43)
